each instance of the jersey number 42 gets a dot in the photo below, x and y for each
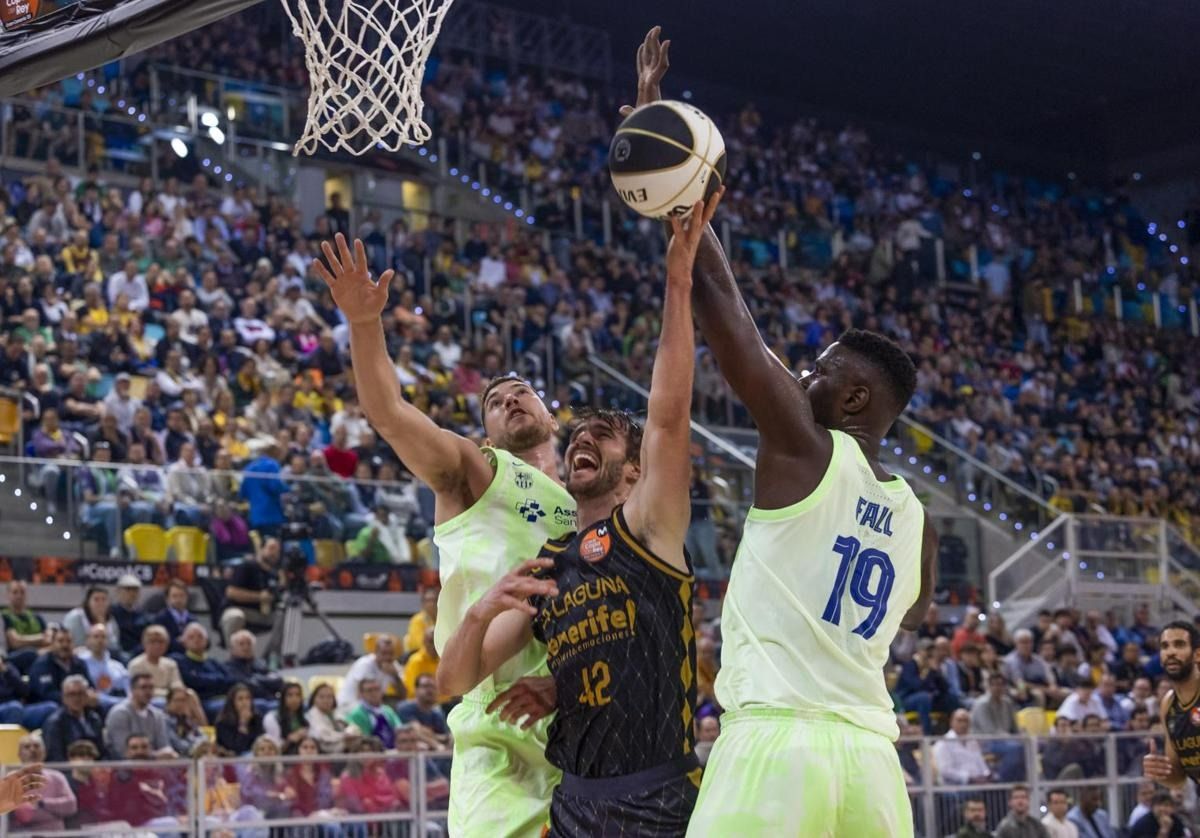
(865, 562)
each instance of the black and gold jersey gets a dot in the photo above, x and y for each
(620, 645)
(1183, 726)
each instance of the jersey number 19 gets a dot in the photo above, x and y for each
(865, 562)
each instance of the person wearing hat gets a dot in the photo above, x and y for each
(131, 619)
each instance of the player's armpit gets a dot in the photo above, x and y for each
(929, 554)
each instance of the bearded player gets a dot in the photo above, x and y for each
(1179, 643)
(612, 603)
(505, 493)
(836, 555)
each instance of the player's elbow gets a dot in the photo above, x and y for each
(450, 681)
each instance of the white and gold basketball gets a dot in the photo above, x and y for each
(665, 157)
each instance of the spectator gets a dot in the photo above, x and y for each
(333, 734)
(286, 724)
(106, 673)
(229, 531)
(312, 782)
(423, 715)
(263, 784)
(263, 490)
(136, 715)
(1082, 702)
(13, 692)
(95, 609)
(93, 786)
(1114, 710)
(239, 725)
(366, 788)
(708, 729)
(380, 541)
(960, 761)
(1145, 797)
(1141, 631)
(1142, 695)
(921, 687)
(245, 668)
(371, 716)
(1129, 668)
(339, 455)
(97, 483)
(1027, 672)
(970, 631)
(154, 662)
(222, 803)
(1162, 821)
(73, 721)
(131, 620)
(52, 442)
(24, 631)
(1089, 818)
(121, 404)
(184, 721)
(422, 662)
(146, 798)
(175, 617)
(48, 672)
(974, 820)
(57, 802)
(423, 620)
(251, 594)
(208, 678)
(1055, 821)
(188, 487)
(380, 666)
(1018, 823)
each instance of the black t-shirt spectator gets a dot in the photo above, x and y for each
(1147, 827)
(250, 576)
(233, 739)
(14, 371)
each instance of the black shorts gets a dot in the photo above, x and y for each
(655, 803)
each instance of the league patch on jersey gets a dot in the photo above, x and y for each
(1195, 716)
(595, 545)
(523, 479)
(530, 510)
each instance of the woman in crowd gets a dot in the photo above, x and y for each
(286, 724)
(95, 609)
(184, 720)
(334, 735)
(239, 726)
(312, 781)
(223, 805)
(366, 787)
(58, 800)
(263, 784)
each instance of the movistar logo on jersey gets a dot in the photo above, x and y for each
(524, 480)
(531, 510)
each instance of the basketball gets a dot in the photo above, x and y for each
(665, 157)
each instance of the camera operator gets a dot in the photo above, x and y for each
(251, 596)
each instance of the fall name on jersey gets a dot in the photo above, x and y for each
(874, 516)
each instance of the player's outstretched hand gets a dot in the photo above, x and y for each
(532, 698)
(653, 60)
(359, 298)
(515, 589)
(1156, 766)
(24, 786)
(685, 238)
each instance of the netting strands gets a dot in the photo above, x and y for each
(365, 60)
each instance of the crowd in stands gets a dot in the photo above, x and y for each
(145, 684)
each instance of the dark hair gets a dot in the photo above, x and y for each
(138, 676)
(313, 695)
(1019, 787)
(1053, 792)
(617, 420)
(176, 583)
(228, 713)
(1062, 611)
(1193, 633)
(899, 372)
(1161, 796)
(83, 748)
(290, 720)
(87, 612)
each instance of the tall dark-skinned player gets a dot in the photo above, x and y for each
(836, 556)
(1179, 651)
(612, 602)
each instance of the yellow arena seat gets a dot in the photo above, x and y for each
(1032, 720)
(147, 542)
(10, 736)
(188, 544)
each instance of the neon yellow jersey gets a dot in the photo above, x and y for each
(518, 512)
(817, 593)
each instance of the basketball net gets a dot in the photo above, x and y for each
(365, 60)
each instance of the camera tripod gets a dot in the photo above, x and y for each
(293, 614)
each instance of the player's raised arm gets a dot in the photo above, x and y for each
(454, 468)
(791, 439)
(494, 629)
(659, 507)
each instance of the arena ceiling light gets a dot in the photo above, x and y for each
(217, 135)
(209, 119)
(179, 147)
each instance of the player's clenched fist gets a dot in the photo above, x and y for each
(515, 589)
(1156, 766)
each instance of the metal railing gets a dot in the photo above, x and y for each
(1094, 560)
(249, 796)
(1108, 763)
